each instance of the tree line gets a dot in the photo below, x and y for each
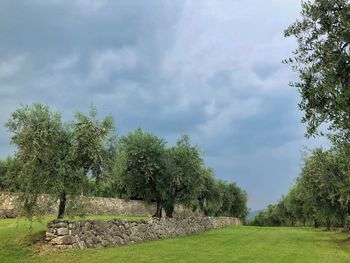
(86, 157)
(321, 194)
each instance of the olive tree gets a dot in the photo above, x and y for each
(184, 176)
(322, 60)
(142, 166)
(234, 201)
(211, 196)
(8, 170)
(55, 157)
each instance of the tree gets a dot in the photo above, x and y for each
(37, 133)
(326, 180)
(184, 175)
(321, 195)
(142, 166)
(84, 154)
(270, 217)
(211, 196)
(8, 170)
(55, 157)
(3, 171)
(234, 201)
(296, 205)
(322, 61)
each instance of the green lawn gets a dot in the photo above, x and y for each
(231, 244)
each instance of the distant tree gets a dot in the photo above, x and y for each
(211, 196)
(142, 166)
(321, 195)
(322, 61)
(234, 201)
(184, 175)
(260, 219)
(9, 168)
(3, 170)
(270, 217)
(56, 157)
(296, 205)
(328, 183)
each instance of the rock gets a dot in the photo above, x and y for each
(81, 244)
(62, 240)
(343, 230)
(101, 226)
(58, 224)
(62, 231)
(49, 234)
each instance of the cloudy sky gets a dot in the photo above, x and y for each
(211, 69)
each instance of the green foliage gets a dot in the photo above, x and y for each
(220, 198)
(9, 168)
(90, 137)
(38, 137)
(184, 175)
(211, 197)
(323, 64)
(325, 178)
(56, 157)
(148, 170)
(85, 156)
(320, 197)
(234, 201)
(142, 166)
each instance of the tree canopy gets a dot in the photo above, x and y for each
(142, 167)
(55, 157)
(85, 157)
(320, 196)
(322, 61)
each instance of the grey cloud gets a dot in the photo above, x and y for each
(210, 68)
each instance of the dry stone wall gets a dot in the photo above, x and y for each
(8, 205)
(94, 206)
(101, 233)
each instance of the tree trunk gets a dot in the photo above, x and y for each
(328, 223)
(293, 222)
(169, 209)
(315, 223)
(158, 212)
(62, 206)
(343, 220)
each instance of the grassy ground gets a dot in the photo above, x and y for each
(231, 244)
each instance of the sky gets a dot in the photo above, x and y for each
(210, 69)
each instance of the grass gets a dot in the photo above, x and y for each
(230, 244)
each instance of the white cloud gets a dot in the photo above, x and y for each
(10, 67)
(107, 62)
(221, 119)
(66, 62)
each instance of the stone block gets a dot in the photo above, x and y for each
(62, 231)
(62, 240)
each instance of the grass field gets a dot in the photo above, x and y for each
(231, 244)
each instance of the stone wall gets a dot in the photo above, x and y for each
(94, 206)
(8, 205)
(117, 232)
